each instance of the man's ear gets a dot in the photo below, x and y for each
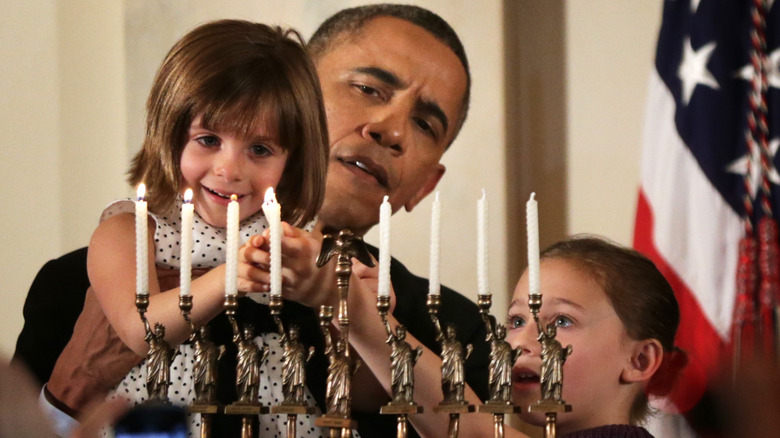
(434, 176)
(645, 359)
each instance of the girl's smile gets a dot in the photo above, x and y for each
(217, 164)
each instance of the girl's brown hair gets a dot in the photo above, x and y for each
(641, 296)
(237, 74)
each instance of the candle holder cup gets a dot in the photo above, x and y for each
(185, 306)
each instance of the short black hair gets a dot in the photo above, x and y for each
(349, 21)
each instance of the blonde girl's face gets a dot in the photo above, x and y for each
(216, 164)
(586, 320)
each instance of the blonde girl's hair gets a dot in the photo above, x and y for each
(237, 74)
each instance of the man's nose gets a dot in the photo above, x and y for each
(389, 128)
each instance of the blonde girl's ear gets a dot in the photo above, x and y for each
(645, 360)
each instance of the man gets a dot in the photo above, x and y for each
(396, 87)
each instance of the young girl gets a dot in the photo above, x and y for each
(235, 108)
(619, 315)
(616, 311)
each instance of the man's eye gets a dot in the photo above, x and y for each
(208, 140)
(369, 91)
(426, 127)
(261, 150)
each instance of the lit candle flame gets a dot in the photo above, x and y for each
(270, 196)
(188, 196)
(141, 191)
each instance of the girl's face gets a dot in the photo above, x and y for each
(217, 164)
(601, 348)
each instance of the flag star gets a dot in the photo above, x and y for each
(740, 167)
(693, 68)
(773, 70)
(773, 75)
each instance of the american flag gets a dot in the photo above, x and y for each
(709, 178)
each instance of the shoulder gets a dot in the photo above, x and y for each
(120, 206)
(112, 242)
(113, 227)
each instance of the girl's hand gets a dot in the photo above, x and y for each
(302, 280)
(254, 262)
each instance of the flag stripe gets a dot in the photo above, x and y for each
(696, 231)
(696, 336)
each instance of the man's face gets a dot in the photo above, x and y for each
(393, 96)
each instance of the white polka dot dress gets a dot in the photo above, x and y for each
(208, 251)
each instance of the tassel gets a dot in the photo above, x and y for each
(770, 283)
(743, 330)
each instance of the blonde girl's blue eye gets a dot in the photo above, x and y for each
(515, 322)
(562, 321)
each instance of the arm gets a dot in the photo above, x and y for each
(367, 337)
(302, 280)
(110, 259)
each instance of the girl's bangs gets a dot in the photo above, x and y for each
(241, 118)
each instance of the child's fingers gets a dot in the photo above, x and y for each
(257, 241)
(252, 279)
(251, 254)
(287, 231)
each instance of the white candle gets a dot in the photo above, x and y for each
(532, 227)
(482, 252)
(434, 286)
(231, 263)
(141, 244)
(185, 260)
(273, 213)
(384, 248)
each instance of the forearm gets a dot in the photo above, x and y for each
(368, 336)
(207, 302)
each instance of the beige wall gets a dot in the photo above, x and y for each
(610, 51)
(562, 87)
(29, 117)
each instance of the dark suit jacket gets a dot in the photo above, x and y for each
(52, 306)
